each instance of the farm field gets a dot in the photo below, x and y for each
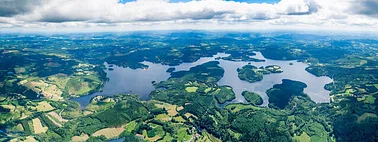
(188, 86)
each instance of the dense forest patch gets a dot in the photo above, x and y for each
(280, 94)
(36, 70)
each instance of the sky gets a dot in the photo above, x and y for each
(130, 15)
(247, 1)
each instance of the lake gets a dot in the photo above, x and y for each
(315, 85)
(138, 81)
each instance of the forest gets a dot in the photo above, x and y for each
(39, 74)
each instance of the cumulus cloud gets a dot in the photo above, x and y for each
(14, 7)
(365, 7)
(151, 10)
(298, 7)
(107, 13)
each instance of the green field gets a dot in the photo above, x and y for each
(41, 73)
(302, 138)
(191, 89)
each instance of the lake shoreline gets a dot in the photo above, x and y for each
(139, 81)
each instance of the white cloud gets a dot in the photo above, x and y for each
(194, 14)
(297, 7)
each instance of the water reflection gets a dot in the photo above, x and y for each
(127, 80)
(315, 85)
(138, 81)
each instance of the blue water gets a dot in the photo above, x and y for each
(138, 81)
(117, 140)
(315, 85)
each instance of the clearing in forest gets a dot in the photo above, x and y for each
(366, 115)
(109, 133)
(171, 109)
(44, 106)
(38, 128)
(83, 137)
(191, 89)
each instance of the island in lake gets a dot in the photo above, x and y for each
(188, 86)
